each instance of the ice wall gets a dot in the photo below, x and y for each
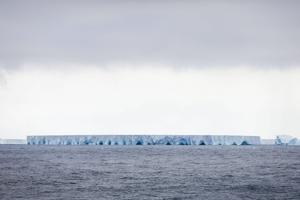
(143, 140)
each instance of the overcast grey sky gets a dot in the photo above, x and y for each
(149, 67)
(183, 33)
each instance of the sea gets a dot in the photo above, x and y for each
(149, 172)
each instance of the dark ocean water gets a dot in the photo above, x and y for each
(149, 172)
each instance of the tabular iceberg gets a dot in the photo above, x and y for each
(143, 140)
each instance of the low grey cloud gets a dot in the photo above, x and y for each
(182, 33)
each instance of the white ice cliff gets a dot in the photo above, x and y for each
(143, 140)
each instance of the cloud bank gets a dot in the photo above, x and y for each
(203, 33)
(126, 66)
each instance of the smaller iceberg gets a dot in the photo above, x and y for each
(286, 140)
(12, 141)
(267, 141)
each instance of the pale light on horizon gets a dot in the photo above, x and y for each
(150, 100)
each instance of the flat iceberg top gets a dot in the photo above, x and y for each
(143, 140)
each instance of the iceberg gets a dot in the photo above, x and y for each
(12, 141)
(143, 140)
(286, 140)
(267, 141)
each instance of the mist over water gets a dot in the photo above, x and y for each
(149, 172)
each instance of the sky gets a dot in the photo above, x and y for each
(149, 67)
